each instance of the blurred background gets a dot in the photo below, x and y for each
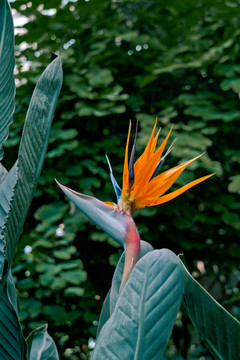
(122, 60)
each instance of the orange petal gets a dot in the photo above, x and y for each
(148, 169)
(154, 143)
(125, 188)
(110, 203)
(164, 181)
(145, 155)
(172, 195)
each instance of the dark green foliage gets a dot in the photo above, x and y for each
(219, 329)
(130, 60)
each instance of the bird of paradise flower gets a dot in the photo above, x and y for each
(142, 187)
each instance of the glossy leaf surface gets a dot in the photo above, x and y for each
(16, 195)
(32, 152)
(12, 343)
(7, 86)
(6, 193)
(216, 326)
(117, 277)
(41, 345)
(145, 312)
(112, 296)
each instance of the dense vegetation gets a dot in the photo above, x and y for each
(129, 60)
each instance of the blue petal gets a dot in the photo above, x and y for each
(117, 189)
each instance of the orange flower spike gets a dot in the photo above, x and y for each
(161, 183)
(145, 155)
(148, 169)
(174, 194)
(146, 187)
(154, 143)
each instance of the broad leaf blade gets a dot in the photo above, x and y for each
(7, 85)
(3, 173)
(6, 193)
(41, 345)
(142, 320)
(32, 152)
(114, 222)
(12, 342)
(217, 327)
(112, 296)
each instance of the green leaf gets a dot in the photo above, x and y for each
(3, 173)
(113, 293)
(12, 342)
(144, 315)
(74, 291)
(57, 313)
(51, 213)
(32, 151)
(234, 185)
(217, 327)
(6, 193)
(232, 219)
(74, 277)
(231, 84)
(41, 345)
(7, 63)
(117, 276)
(99, 77)
(65, 254)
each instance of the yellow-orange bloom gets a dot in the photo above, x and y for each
(142, 187)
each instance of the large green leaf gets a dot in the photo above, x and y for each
(6, 193)
(117, 276)
(32, 152)
(31, 155)
(216, 326)
(142, 320)
(3, 173)
(12, 342)
(112, 296)
(41, 345)
(7, 85)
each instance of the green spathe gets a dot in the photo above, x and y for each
(114, 222)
